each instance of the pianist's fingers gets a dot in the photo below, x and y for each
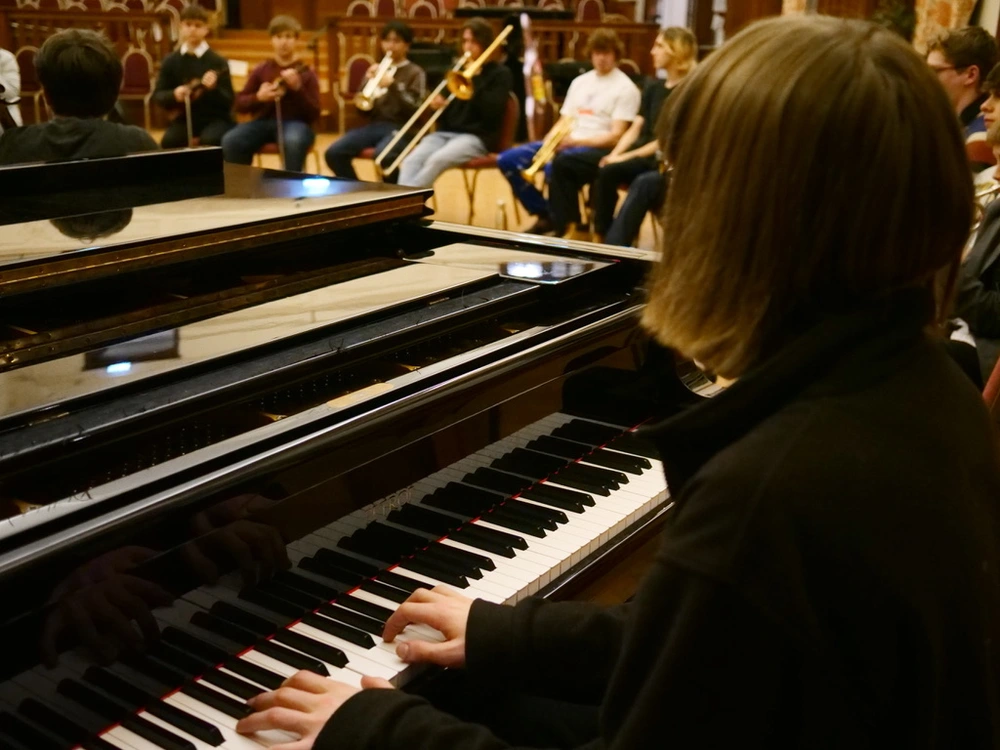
(324, 697)
(376, 683)
(285, 697)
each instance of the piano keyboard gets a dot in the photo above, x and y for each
(498, 525)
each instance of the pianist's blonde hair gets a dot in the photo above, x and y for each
(816, 164)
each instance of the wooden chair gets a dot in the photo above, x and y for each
(590, 10)
(991, 393)
(423, 9)
(360, 8)
(354, 80)
(472, 168)
(137, 79)
(386, 8)
(551, 5)
(271, 149)
(31, 88)
(471, 3)
(629, 67)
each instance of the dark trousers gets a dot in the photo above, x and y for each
(208, 133)
(571, 170)
(644, 195)
(350, 145)
(604, 194)
(246, 139)
(519, 719)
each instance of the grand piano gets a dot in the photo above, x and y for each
(244, 413)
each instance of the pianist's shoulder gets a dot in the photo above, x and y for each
(68, 138)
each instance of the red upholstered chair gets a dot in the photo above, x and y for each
(472, 168)
(629, 67)
(360, 8)
(137, 78)
(423, 9)
(385, 8)
(471, 3)
(590, 10)
(992, 393)
(30, 86)
(353, 81)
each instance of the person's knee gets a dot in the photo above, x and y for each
(507, 161)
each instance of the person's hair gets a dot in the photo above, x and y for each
(843, 178)
(194, 13)
(684, 45)
(481, 30)
(90, 227)
(402, 30)
(80, 72)
(605, 40)
(966, 47)
(991, 84)
(281, 24)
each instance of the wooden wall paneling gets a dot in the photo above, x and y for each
(847, 8)
(255, 14)
(700, 22)
(739, 14)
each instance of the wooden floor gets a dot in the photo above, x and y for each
(451, 201)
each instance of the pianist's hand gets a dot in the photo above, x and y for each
(303, 704)
(442, 609)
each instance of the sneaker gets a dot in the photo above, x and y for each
(542, 225)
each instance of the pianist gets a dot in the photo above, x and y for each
(829, 575)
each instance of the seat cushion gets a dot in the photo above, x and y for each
(481, 162)
(368, 153)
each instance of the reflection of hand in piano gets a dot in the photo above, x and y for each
(303, 704)
(99, 602)
(444, 610)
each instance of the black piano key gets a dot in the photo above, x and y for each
(636, 465)
(566, 505)
(292, 658)
(191, 644)
(271, 603)
(369, 548)
(267, 678)
(374, 611)
(217, 700)
(346, 562)
(299, 598)
(242, 618)
(587, 432)
(464, 507)
(528, 463)
(332, 572)
(112, 711)
(557, 447)
(414, 540)
(232, 685)
(59, 725)
(498, 481)
(424, 519)
(508, 521)
(155, 670)
(187, 663)
(457, 567)
(321, 651)
(577, 482)
(386, 592)
(534, 511)
(503, 537)
(480, 561)
(607, 477)
(487, 545)
(315, 588)
(400, 582)
(338, 629)
(634, 445)
(514, 511)
(558, 494)
(23, 732)
(425, 567)
(225, 628)
(137, 698)
(354, 619)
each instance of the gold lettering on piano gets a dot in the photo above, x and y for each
(349, 399)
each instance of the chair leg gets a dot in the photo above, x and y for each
(470, 191)
(517, 207)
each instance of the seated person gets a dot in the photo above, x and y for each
(829, 575)
(645, 194)
(961, 58)
(199, 72)
(467, 128)
(283, 78)
(397, 98)
(10, 81)
(80, 75)
(674, 51)
(601, 102)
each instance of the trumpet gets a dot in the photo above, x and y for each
(547, 151)
(365, 99)
(413, 120)
(460, 81)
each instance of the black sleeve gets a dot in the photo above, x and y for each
(223, 93)
(977, 302)
(490, 99)
(166, 82)
(646, 103)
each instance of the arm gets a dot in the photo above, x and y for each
(414, 93)
(491, 99)
(628, 138)
(307, 96)
(606, 140)
(246, 100)
(166, 82)
(224, 88)
(978, 306)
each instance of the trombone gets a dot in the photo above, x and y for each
(413, 119)
(547, 150)
(459, 83)
(365, 99)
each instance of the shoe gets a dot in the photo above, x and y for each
(573, 232)
(542, 225)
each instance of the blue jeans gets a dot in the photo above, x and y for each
(436, 153)
(353, 142)
(511, 163)
(645, 194)
(241, 143)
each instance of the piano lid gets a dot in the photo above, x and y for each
(57, 237)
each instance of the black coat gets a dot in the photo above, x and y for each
(828, 578)
(978, 299)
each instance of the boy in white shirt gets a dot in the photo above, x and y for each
(602, 103)
(10, 79)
